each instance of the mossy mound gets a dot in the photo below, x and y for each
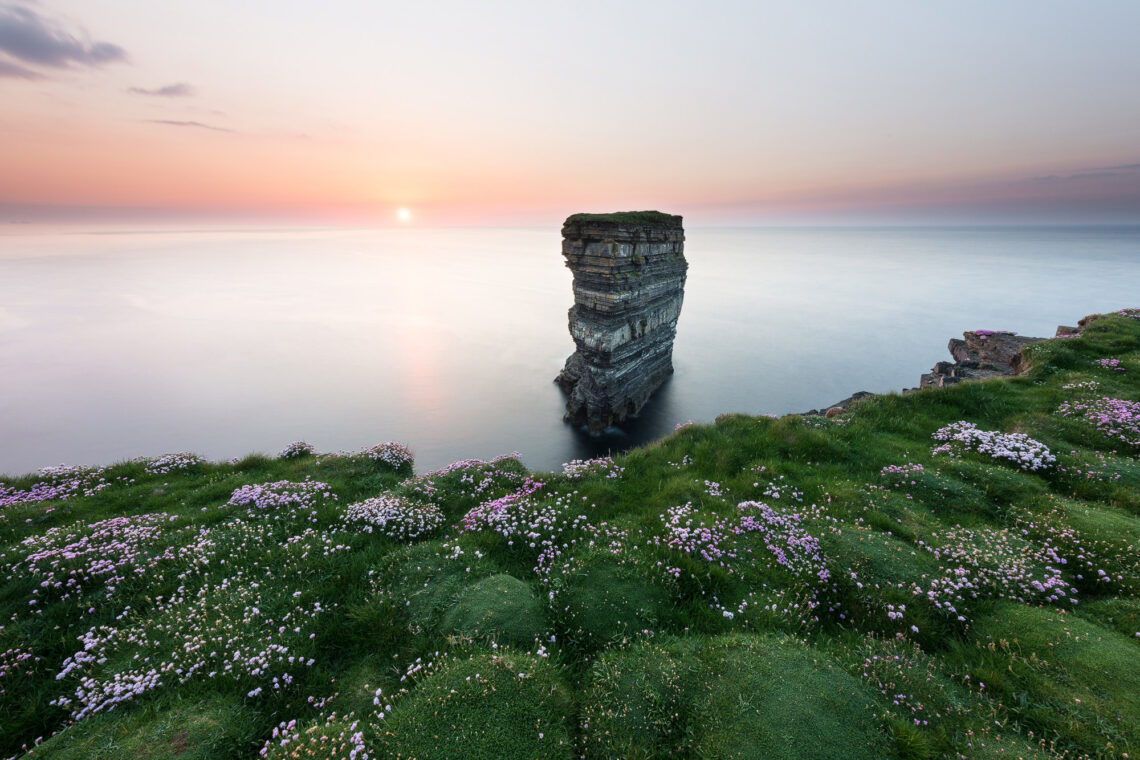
(214, 727)
(500, 607)
(492, 707)
(727, 697)
(1122, 615)
(600, 600)
(425, 580)
(1070, 677)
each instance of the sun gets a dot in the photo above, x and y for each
(404, 214)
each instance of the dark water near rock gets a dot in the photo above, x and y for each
(226, 342)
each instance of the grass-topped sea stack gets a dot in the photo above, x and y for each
(629, 280)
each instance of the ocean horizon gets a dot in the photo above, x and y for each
(127, 341)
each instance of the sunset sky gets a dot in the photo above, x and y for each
(522, 112)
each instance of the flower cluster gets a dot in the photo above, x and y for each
(283, 500)
(904, 470)
(13, 661)
(296, 450)
(974, 565)
(690, 535)
(911, 681)
(984, 334)
(1018, 448)
(249, 626)
(171, 462)
(468, 479)
(1113, 364)
(578, 468)
(779, 488)
(61, 482)
(549, 527)
(494, 511)
(1103, 470)
(336, 737)
(78, 557)
(282, 493)
(1133, 313)
(394, 517)
(391, 453)
(792, 546)
(1113, 417)
(781, 534)
(995, 564)
(1092, 560)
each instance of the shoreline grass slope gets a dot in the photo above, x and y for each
(951, 573)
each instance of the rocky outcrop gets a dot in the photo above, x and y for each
(839, 407)
(981, 355)
(629, 278)
(1066, 330)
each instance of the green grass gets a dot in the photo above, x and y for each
(965, 608)
(501, 608)
(645, 218)
(727, 697)
(212, 727)
(485, 707)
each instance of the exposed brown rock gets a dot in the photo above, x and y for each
(981, 355)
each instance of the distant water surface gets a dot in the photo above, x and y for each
(120, 343)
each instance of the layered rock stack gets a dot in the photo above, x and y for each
(629, 279)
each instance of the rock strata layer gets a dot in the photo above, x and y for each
(629, 279)
(981, 355)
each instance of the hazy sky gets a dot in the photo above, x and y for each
(523, 112)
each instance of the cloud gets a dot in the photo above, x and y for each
(176, 90)
(1097, 173)
(11, 70)
(198, 124)
(31, 38)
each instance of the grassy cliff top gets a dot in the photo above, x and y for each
(951, 573)
(644, 218)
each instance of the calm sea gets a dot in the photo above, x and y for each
(119, 343)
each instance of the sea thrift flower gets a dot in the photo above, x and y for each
(1113, 417)
(172, 462)
(983, 334)
(1113, 364)
(490, 513)
(394, 517)
(295, 450)
(578, 468)
(283, 493)
(901, 469)
(1018, 448)
(61, 482)
(392, 453)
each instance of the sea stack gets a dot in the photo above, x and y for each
(629, 281)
